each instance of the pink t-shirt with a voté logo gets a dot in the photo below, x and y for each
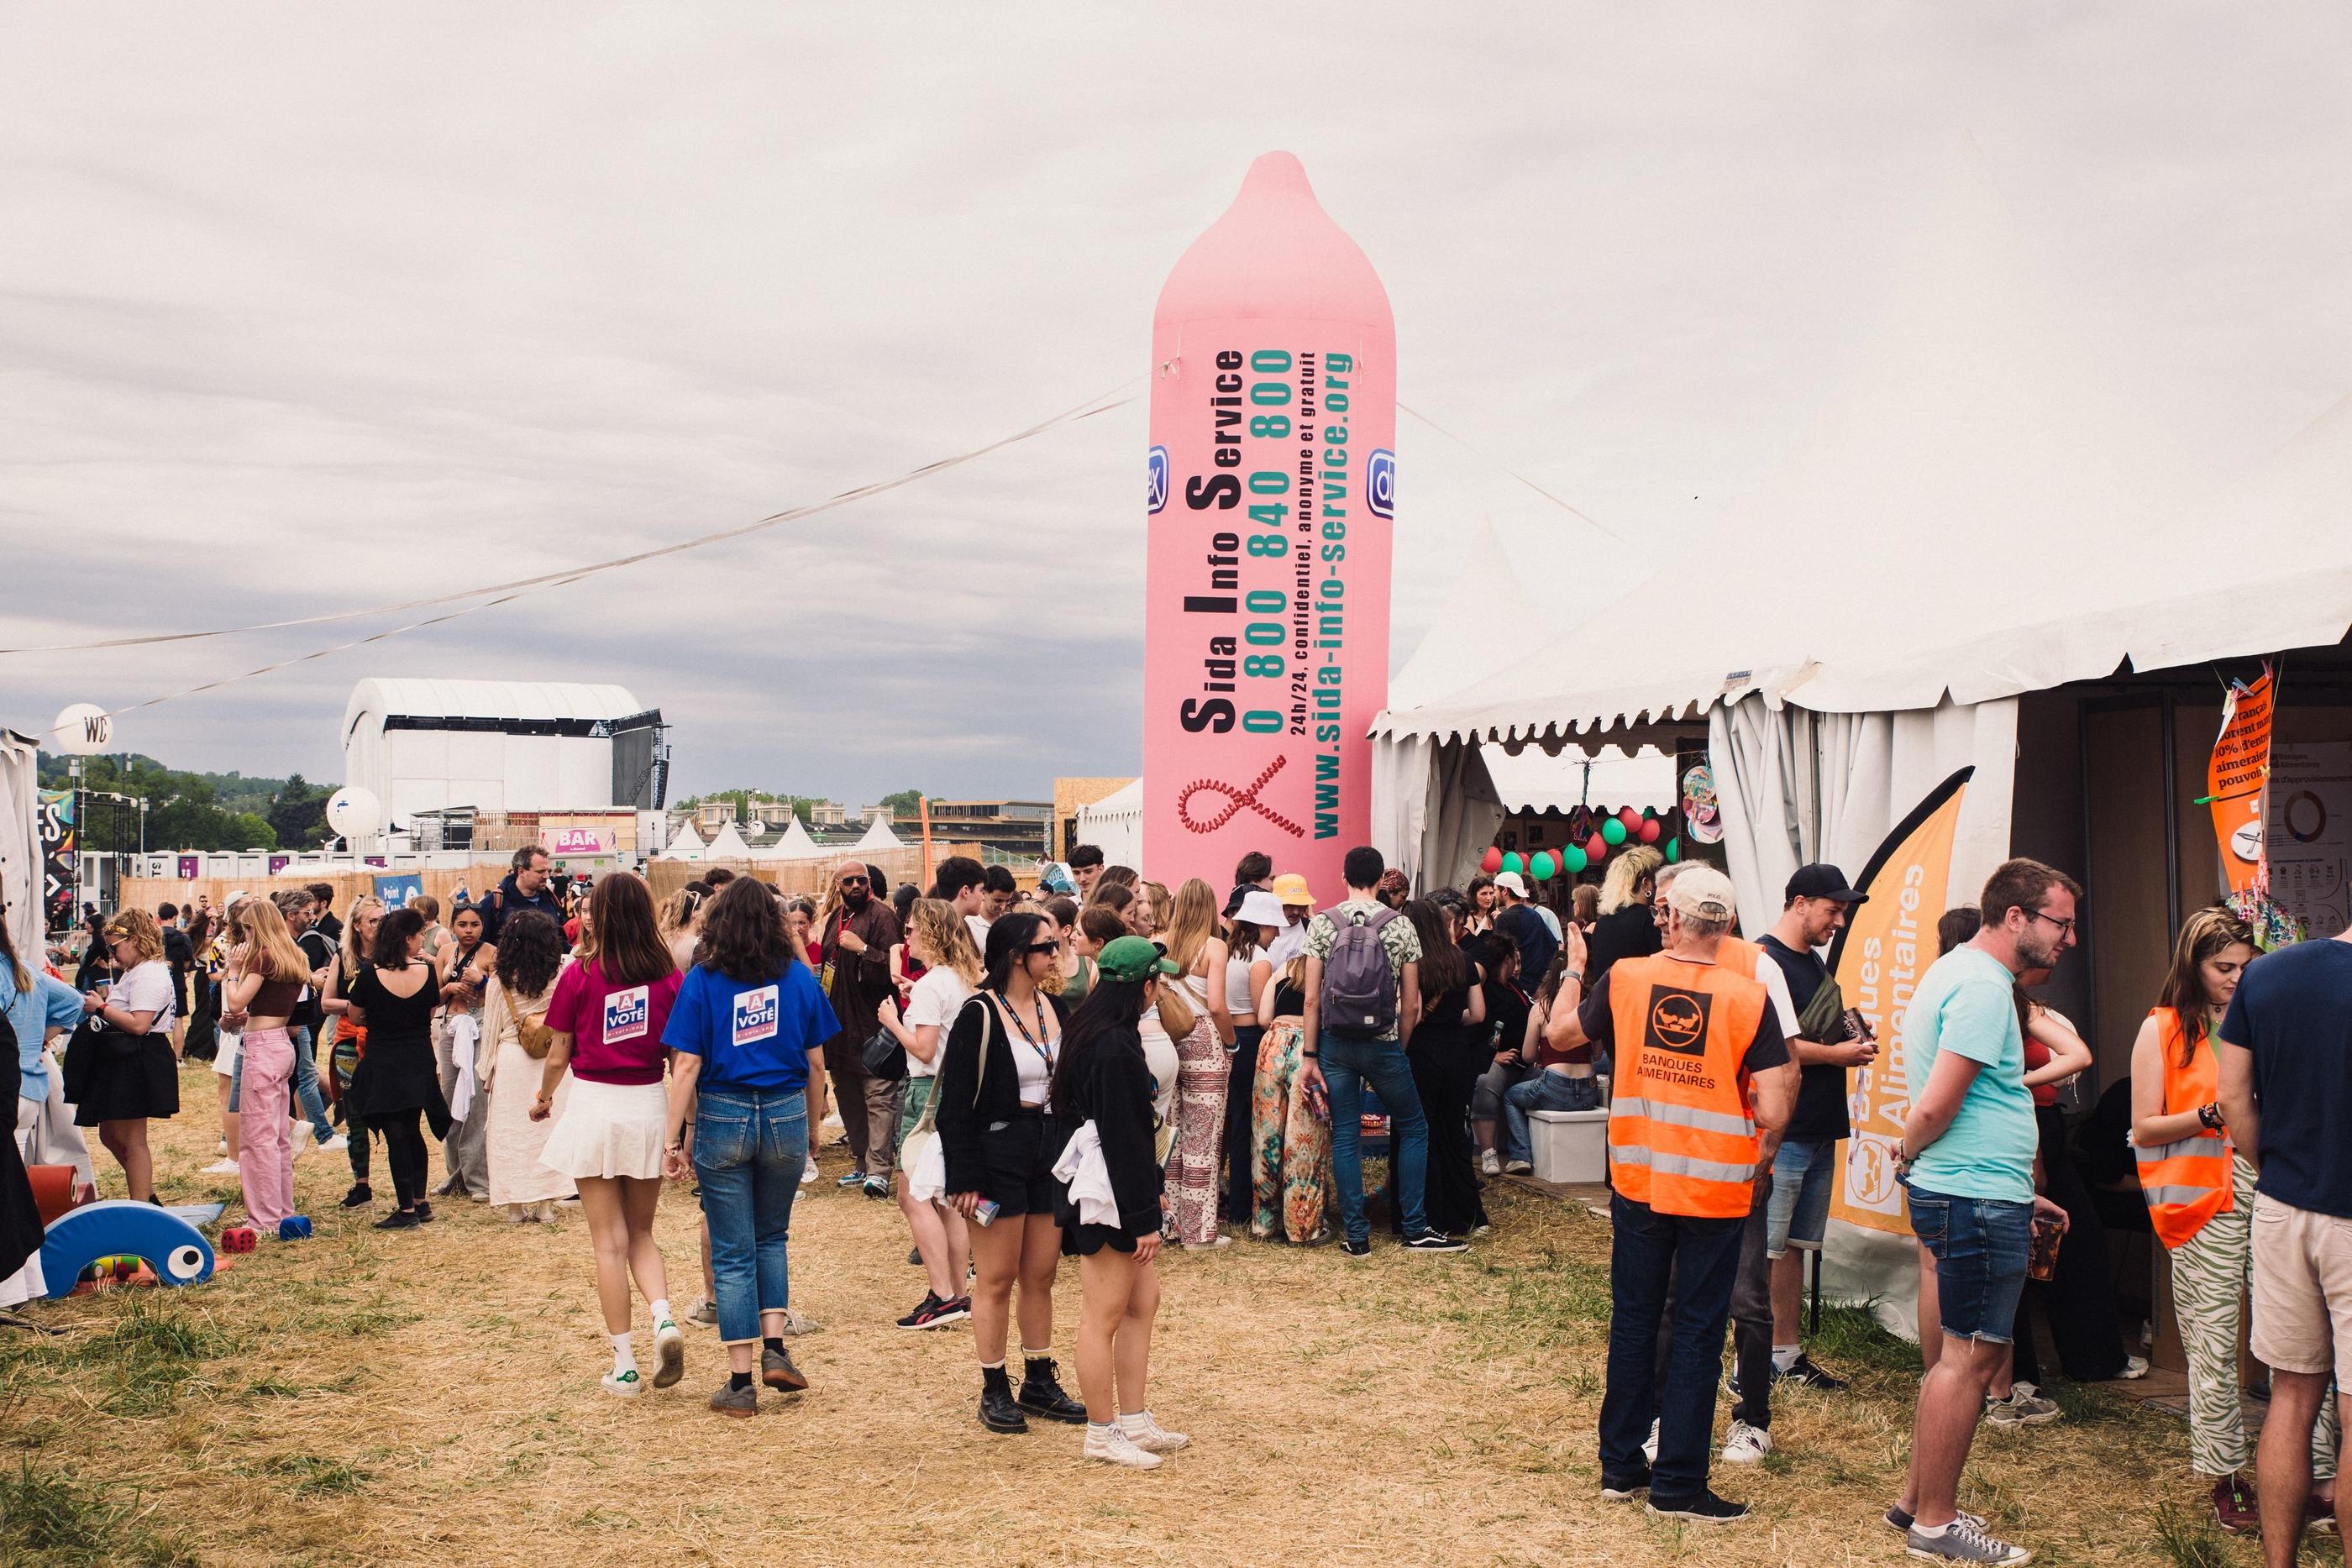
(616, 1031)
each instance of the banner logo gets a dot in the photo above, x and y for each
(1159, 467)
(1380, 483)
(1677, 1021)
(624, 1015)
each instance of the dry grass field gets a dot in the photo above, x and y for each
(431, 1397)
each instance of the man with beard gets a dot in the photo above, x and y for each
(1968, 1161)
(859, 931)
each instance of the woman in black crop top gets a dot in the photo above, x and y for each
(398, 1084)
(1290, 1131)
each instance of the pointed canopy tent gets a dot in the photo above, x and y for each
(879, 836)
(726, 844)
(686, 846)
(1979, 513)
(792, 844)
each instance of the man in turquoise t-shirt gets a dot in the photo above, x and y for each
(1968, 1163)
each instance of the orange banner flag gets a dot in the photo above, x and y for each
(2238, 778)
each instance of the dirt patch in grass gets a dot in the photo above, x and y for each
(431, 1396)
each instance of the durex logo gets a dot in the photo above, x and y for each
(1159, 478)
(1380, 483)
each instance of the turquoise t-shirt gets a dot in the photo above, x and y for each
(1966, 1003)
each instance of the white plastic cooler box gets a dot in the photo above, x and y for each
(1570, 1146)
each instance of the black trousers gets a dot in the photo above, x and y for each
(1751, 1319)
(403, 1151)
(1241, 1082)
(2079, 1301)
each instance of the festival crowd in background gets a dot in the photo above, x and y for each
(1103, 1067)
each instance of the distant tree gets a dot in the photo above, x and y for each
(298, 814)
(904, 803)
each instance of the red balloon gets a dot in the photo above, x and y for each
(1629, 817)
(1493, 860)
(1596, 849)
(1650, 829)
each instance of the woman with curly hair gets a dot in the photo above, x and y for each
(126, 1073)
(515, 1040)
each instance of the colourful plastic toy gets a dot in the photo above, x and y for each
(174, 1249)
(294, 1227)
(237, 1238)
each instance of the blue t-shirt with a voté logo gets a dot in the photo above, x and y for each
(755, 1036)
(2293, 1011)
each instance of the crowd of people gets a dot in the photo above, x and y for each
(1104, 1067)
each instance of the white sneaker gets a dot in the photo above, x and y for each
(2135, 1368)
(1151, 1437)
(1490, 1164)
(1650, 1445)
(1517, 1167)
(335, 1146)
(298, 1142)
(669, 1353)
(624, 1384)
(1114, 1446)
(1746, 1445)
(808, 1173)
(796, 1323)
(223, 1167)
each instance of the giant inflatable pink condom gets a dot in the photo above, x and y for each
(1273, 474)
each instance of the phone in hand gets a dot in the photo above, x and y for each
(1318, 1102)
(1857, 1026)
(985, 1212)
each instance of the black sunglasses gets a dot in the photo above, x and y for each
(1035, 947)
(853, 882)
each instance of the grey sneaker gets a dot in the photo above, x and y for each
(796, 1324)
(2023, 1408)
(777, 1371)
(1964, 1542)
(705, 1315)
(732, 1401)
(1900, 1522)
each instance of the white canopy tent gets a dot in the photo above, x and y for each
(879, 836)
(726, 844)
(1978, 513)
(1114, 824)
(686, 846)
(792, 844)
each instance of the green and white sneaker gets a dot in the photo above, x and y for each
(669, 1350)
(624, 1384)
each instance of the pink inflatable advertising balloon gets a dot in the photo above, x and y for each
(1272, 481)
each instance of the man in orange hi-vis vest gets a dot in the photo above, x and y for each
(1702, 1087)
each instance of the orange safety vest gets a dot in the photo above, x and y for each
(2185, 1183)
(1739, 955)
(1682, 1137)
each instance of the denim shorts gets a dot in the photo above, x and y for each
(1799, 1207)
(1979, 1246)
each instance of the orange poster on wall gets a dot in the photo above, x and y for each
(2237, 779)
(1886, 946)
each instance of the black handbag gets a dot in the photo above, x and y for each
(885, 1058)
(93, 1043)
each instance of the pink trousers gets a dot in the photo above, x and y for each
(265, 1165)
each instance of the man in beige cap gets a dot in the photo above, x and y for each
(1702, 1087)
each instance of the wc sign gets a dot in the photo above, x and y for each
(577, 841)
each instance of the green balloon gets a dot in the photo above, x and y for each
(1674, 850)
(1542, 866)
(1512, 862)
(1613, 831)
(1572, 859)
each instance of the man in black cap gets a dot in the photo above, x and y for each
(1816, 904)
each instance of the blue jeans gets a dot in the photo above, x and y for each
(1347, 1065)
(1544, 1092)
(1701, 1257)
(306, 1083)
(1980, 1245)
(1802, 1173)
(749, 1148)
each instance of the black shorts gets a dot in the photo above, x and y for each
(1017, 1163)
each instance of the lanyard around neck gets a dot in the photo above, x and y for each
(1043, 1053)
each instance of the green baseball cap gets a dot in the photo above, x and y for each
(1131, 958)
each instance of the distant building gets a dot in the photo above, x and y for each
(503, 748)
(1021, 828)
(825, 814)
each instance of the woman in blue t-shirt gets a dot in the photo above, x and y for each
(746, 1027)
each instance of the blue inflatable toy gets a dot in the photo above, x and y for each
(175, 1249)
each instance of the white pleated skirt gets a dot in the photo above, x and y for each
(609, 1130)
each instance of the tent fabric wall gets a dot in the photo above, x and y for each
(1797, 785)
(20, 840)
(1434, 809)
(1114, 824)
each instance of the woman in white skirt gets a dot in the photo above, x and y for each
(607, 1014)
(514, 1043)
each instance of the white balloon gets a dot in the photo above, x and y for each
(354, 812)
(84, 729)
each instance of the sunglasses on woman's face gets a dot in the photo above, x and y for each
(1035, 948)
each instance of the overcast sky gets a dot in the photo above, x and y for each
(309, 309)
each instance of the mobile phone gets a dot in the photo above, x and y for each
(986, 1213)
(1857, 1026)
(1318, 1102)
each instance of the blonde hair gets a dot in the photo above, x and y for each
(1191, 922)
(138, 928)
(944, 935)
(353, 956)
(270, 951)
(1626, 874)
(1160, 902)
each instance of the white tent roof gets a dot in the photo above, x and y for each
(879, 836)
(686, 846)
(1114, 824)
(1468, 639)
(1979, 513)
(792, 844)
(487, 699)
(726, 844)
(1532, 781)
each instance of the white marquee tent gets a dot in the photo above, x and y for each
(686, 846)
(726, 844)
(879, 836)
(1114, 824)
(792, 844)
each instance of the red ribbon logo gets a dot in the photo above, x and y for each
(1235, 800)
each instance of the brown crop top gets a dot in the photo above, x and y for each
(276, 998)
